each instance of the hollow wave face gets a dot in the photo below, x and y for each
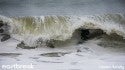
(32, 28)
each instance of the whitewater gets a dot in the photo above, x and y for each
(32, 28)
(101, 52)
(35, 22)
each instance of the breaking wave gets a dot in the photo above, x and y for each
(32, 28)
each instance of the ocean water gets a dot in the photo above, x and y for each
(60, 7)
(37, 21)
(30, 29)
(30, 20)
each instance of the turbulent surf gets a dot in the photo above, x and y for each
(30, 29)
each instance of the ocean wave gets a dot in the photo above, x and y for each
(32, 28)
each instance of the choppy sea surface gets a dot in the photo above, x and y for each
(31, 21)
(60, 7)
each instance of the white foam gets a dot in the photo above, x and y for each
(29, 29)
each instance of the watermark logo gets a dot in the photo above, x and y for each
(17, 66)
(114, 67)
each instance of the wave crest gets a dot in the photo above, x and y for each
(30, 29)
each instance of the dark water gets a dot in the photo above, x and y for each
(60, 7)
